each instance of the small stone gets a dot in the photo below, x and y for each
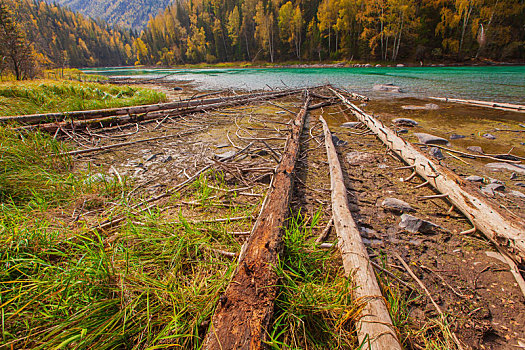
(490, 188)
(475, 149)
(396, 205)
(517, 194)
(405, 122)
(520, 184)
(429, 139)
(413, 224)
(177, 88)
(378, 65)
(280, 112)
(516, 168)
(456, 137)
(496, 181)
(474, 178)
(227, 154)
(400, 65)
(168, 159)
(350, 124)
(338, 142)
(489, 136)
(358, 158)
(152, 157)
(436, 153)
(402, 131)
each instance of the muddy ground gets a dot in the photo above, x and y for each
(483, 303)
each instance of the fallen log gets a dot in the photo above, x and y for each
(477, 103)
(496, 224)
(374, 326)
(246, 307)
(123, 111)
(125, 119)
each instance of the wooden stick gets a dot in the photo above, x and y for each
(246, 307)
(496, 224)
(374, 327)
(495, 105)
(325, 232)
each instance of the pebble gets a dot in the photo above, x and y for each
(429, 139)
(475, 149)
(436, 153)
(489, 136)
(338, 142)
(414, 224)
(520, 184)
(456, 137)
(396, 205)
(405, 122)
(474, 178)
(402, 131)
(224, 155)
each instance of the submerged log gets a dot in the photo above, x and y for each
(125, 119)
(477, 103)
(134, 110)
(246, 307)
(497, 225)
(374, 326)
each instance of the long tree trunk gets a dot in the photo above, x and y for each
(465, 24)
(374, 326)
(246, 307)
(497, 225)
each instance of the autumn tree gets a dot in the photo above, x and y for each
(15, 51)
(264, 31)
(291, 26)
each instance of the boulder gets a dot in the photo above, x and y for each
(414, 224)
(429, 139)
(396, 205)
(427, 106)
(387, 88)
(358, 158)
(489, 136)
(475, 149)
(516, 168)
(490, 188)
(405, 122)
(436, 153)
(517, 194)
(474, 178)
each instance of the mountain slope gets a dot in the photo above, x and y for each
(125, 13)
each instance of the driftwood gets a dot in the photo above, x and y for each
(374, 327)
(101, 113)
(130, 118)
(497, 225)
(246, 307)
(477, 103)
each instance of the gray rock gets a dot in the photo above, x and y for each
(426, 106)
(520, 184)
(402, 131)
(413, 224)
(367, 65)
(405, 122)
(428, 139)
(387, 88)
(167, 159)
(456, 137)
(338, 142)
(436, 153)
(490, 188)
(400, 65)
(513, 176)
(350, 124)
(224, 155)
(496, 181)
(378, 65)
(489, 136)
(517, 194)
(474, 178)
(396, 205)
(475, 149)
(358, 158)
(516, 168)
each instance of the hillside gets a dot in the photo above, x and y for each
(129, 14)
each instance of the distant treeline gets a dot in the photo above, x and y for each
(382, 30)
(62, 38)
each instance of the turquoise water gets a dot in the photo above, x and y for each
(501, 84)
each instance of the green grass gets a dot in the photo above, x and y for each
(42, 96)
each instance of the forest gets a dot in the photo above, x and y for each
(372, 30)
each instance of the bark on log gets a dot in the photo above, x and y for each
(497, 225)
(477, 103)
(374, 326)
(107, 121)
(123, 111)
(246, 307)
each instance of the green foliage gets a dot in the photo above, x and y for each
(59, 96)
